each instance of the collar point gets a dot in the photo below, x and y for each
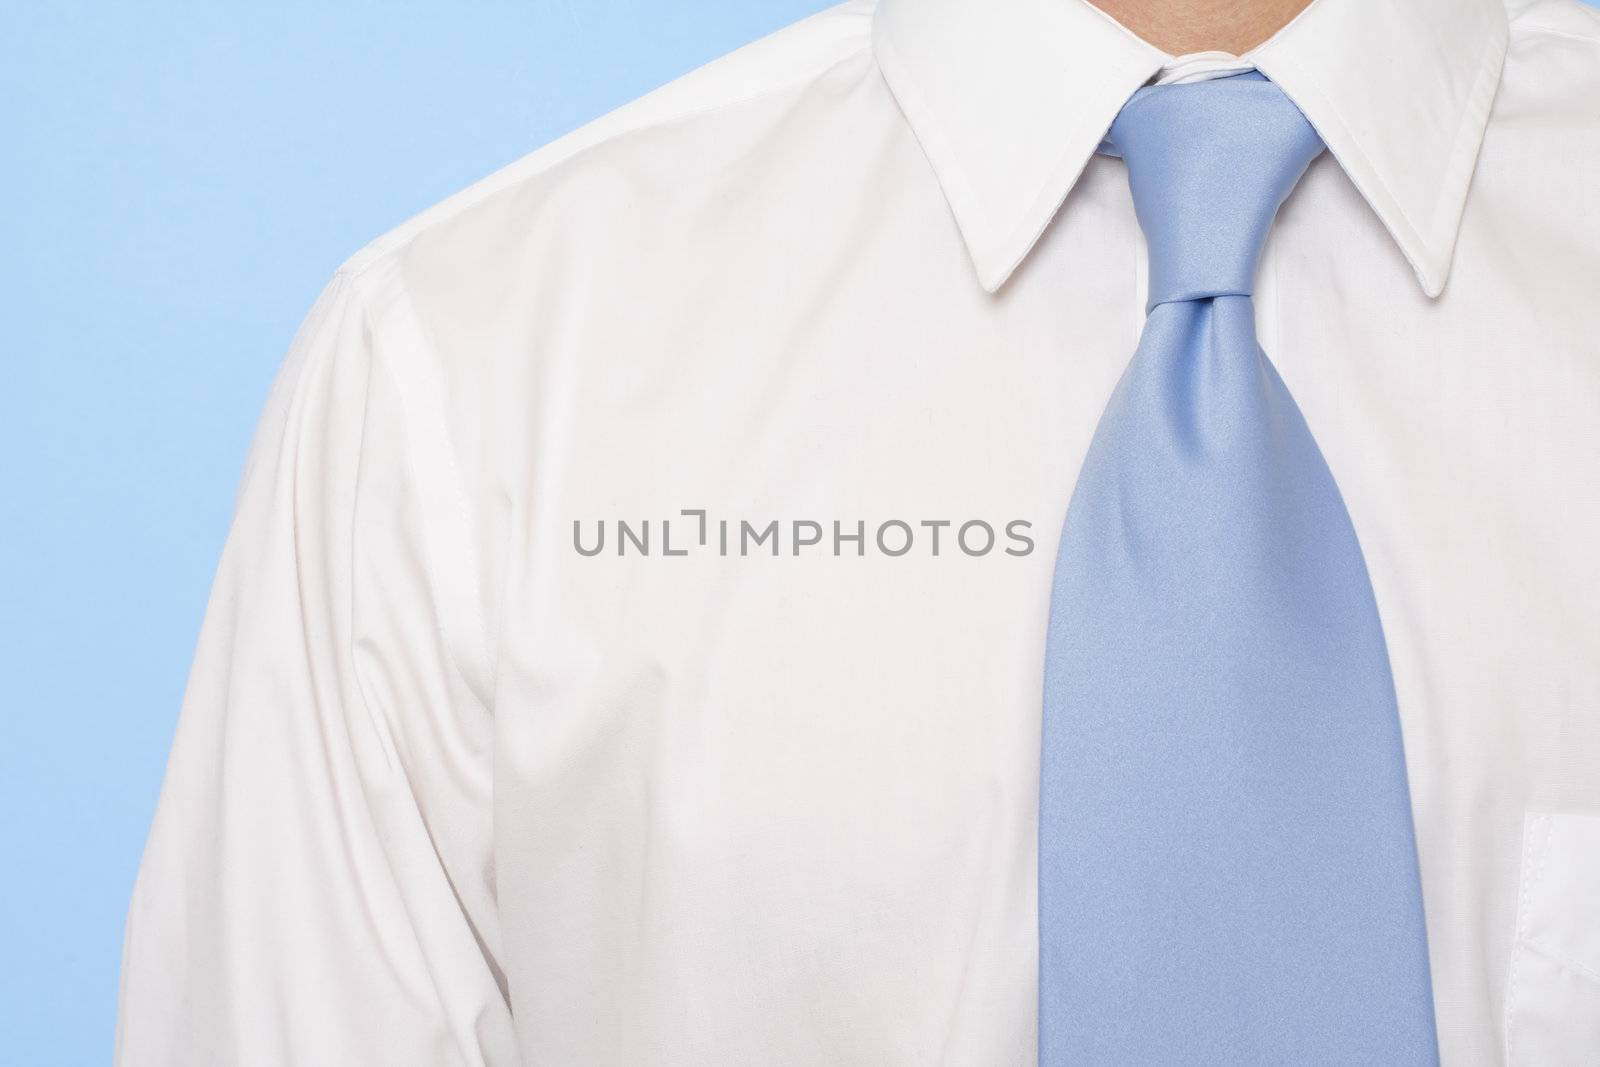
(1432, 273)
(992, 280)
(993, 263)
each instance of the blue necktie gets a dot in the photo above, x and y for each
(1227, 872)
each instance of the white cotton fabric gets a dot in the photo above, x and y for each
(446, 791)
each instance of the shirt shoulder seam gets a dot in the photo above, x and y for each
(607, 129)
(1530, 21)
(1556, 31)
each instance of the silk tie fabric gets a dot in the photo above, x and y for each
(1227, 870)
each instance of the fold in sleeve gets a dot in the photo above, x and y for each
(318, 886)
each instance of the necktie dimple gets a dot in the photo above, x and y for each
(1227, 871)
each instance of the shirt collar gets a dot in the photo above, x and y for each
(1010, 98)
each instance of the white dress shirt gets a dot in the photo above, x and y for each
(451, 787)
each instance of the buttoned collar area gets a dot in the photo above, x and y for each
(1010, 98)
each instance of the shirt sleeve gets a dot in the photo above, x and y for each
(318, 886)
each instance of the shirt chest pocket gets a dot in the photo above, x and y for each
(1553, 993)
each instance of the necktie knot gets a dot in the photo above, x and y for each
(1209, 163)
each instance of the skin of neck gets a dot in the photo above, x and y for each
(1180, 26)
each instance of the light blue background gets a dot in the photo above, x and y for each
(177, 182)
